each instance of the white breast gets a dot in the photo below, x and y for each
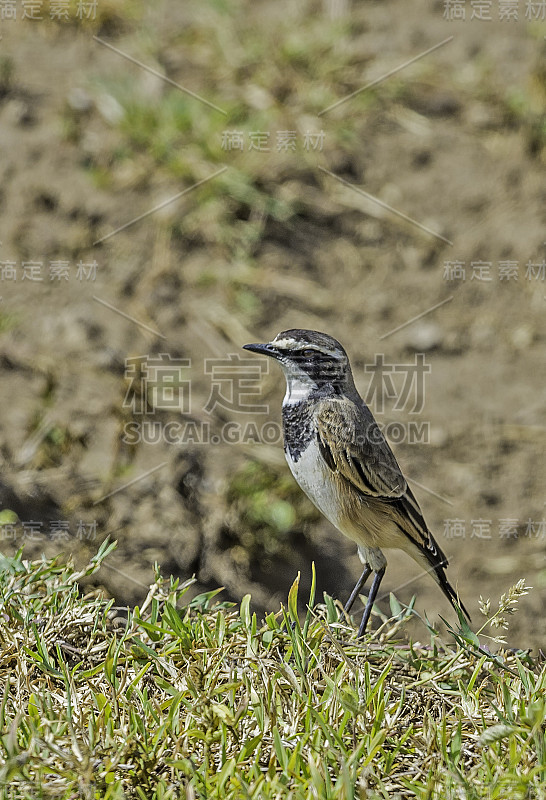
(314, 477)
(370, 529)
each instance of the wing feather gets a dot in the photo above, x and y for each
(352, 445)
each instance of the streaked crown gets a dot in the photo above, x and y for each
(309, 357)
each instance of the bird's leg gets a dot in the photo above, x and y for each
(356, 591)
(378, 577)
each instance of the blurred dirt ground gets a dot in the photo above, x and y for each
(91, 140)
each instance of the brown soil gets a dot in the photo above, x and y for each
(456, 142)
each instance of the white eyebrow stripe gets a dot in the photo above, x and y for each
(289, 344)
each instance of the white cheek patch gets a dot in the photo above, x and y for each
(298, 383)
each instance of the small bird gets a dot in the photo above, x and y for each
(343, 463)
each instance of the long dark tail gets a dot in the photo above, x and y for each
(414, 527)
(448, 589)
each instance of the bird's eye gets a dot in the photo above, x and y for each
(308, 352)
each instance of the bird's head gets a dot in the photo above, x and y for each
(309, 360)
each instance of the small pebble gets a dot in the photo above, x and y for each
(109, 108)
(522, 337)
(424, 336)
(79, 100)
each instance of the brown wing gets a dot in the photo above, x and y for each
(352, 444)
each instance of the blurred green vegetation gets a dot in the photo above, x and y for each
(266, 510)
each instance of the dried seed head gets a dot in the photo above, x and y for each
(485, 606)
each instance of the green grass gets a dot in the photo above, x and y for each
(198, 699)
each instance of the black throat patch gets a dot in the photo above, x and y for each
(297, 420)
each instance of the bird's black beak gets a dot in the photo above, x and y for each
(264, 349)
